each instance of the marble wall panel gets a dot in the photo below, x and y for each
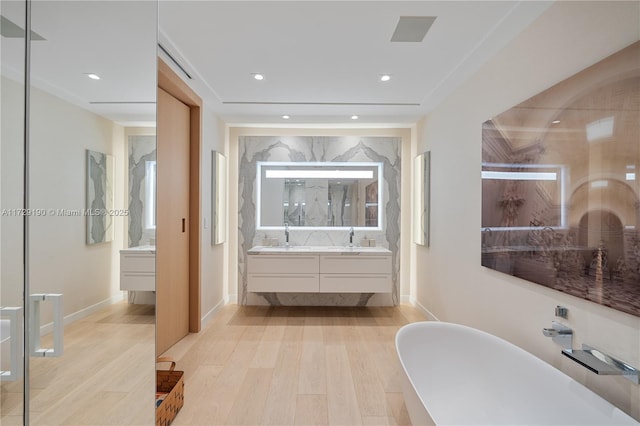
(318, 149)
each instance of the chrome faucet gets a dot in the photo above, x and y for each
(351, 233)
(286, 234)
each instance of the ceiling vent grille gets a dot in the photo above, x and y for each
(412, 29)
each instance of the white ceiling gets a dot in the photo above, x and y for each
(322, 59)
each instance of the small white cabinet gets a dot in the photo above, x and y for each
(319, 271)
(138, 269)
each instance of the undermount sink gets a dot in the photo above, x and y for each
(317, 249)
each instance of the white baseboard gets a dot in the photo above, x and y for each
(231, 298)
(83, 313)
(427, 313)
(205, 319)
(405, 298)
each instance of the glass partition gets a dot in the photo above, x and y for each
(93, 85)
(12, 144)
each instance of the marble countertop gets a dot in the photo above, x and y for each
(319, 250)
(139, 249)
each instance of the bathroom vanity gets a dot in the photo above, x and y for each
(138, 268)
(311, 269)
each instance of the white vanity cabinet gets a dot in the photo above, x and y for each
(138, 269)
(353, 273)
(319, 270)
(283, 273)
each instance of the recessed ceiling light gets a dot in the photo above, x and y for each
(354, 117)
(286, 117)
(93, 76)
(385, 77)
(555, 121)
(258, 76)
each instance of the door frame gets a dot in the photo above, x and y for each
(171, 83)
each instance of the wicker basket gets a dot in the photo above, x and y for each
(171, 383)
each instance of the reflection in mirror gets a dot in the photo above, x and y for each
(104, 370)
(319, 195)
(560, 197)
(12, 91)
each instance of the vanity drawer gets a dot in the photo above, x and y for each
(293, 283)
(282, 264)
(138, 262)
(362, 283)
(133, 281)
(355, 264)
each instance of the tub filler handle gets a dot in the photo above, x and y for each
(560, 334)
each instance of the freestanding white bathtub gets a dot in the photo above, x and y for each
(457, 375)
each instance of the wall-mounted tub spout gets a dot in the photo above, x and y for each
(601, 363)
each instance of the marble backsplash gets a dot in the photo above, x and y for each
(252, 149)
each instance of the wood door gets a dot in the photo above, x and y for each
(172, 222)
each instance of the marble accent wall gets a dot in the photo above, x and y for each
(252, 149)
(142, 148)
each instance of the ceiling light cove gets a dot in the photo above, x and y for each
(258, 76)
(385, 77)
(354, 117)
(286, 117)
(92, 76)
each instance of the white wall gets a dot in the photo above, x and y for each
(213, 263)
(450, 282)
(59, 259)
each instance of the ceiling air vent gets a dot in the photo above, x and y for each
(412, 29)
(10, 29)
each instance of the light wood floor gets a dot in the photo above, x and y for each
(294, 366)
(106, 375)
(249, 365)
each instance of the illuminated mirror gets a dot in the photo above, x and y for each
(421, 175)
(319, 195)
(218, 198)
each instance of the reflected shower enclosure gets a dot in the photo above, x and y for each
(560, 190)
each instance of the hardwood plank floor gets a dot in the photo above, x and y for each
(262, 365)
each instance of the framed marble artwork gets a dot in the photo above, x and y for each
(99, 197)
(560, 190)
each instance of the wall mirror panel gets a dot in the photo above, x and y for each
(90, 352)
(560, 186)
(319, 195)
